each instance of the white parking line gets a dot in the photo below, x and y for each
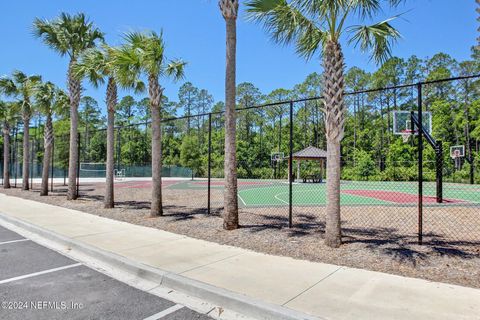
(165, 312)
(40, 273)
(13, 241)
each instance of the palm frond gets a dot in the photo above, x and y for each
(8, 87)
(323, 8)
(139, 86)
(62, 102)
(135, 39)
(45, 96)
(366, 8)
(51, 35)
(19, 77)
(68, 34)
(153, 56)
(282, 20)
(176, 69)
(125, 65)
(377, 38)
(310, 40)
(93, 65)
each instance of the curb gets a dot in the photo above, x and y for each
(230, 300)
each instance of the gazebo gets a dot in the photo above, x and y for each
(309, 154)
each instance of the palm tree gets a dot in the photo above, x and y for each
(229, 9)
(22, 87)
(318, 26)
(144, 52)
(7, 115)
(99, 65)
(49, 100)
(69, 35)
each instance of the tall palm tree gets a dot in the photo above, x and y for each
(229, 9)
(50, 100)
(318, 26)
(8, 115)
(99, 65)
(22, 87)
(144, 53)
(70, 35)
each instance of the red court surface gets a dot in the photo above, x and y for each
(240, 183)
(396, 197)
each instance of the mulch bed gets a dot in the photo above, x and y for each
(375, 238)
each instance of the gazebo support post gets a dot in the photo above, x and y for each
(298, 170)
(322, 164)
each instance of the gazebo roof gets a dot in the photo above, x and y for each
(310, 153)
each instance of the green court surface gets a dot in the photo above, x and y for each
(276, 192)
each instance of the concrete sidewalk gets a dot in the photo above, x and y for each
(318, 289)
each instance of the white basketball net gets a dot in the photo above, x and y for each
(405, 136)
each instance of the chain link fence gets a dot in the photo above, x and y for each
(391, 189)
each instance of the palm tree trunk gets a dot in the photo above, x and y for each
(155, 97)
(48, 138)
(26, 151)
(111, 103)
(334, 127)
(230, 218)
(74, 88)
(6, 155)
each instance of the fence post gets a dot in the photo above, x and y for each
(78, 163)
(53, 161)
(2, 162)
(420, 165)
(65, 171)
(439, 171)
(145, 153)
(32, 153)
(471, 162)
(290, 169)
(209, 160)
(14, 151)
(119, 148)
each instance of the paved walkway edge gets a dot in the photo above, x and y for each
(231, 300)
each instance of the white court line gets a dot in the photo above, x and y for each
(276, 197)
(241, 199)
(164, 312)
(40, 273)
(13, 241)
(252, 189)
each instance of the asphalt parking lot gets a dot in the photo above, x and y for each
(39, 283)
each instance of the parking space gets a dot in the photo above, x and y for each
(7, 235)
(39, 283)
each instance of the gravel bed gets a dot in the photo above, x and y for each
(375, 238)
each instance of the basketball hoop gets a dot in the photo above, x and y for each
(456, 154)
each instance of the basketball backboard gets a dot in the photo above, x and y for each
(277, 156)
(457, 151)
(402, 122)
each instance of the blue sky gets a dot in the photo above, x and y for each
(194, 31)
